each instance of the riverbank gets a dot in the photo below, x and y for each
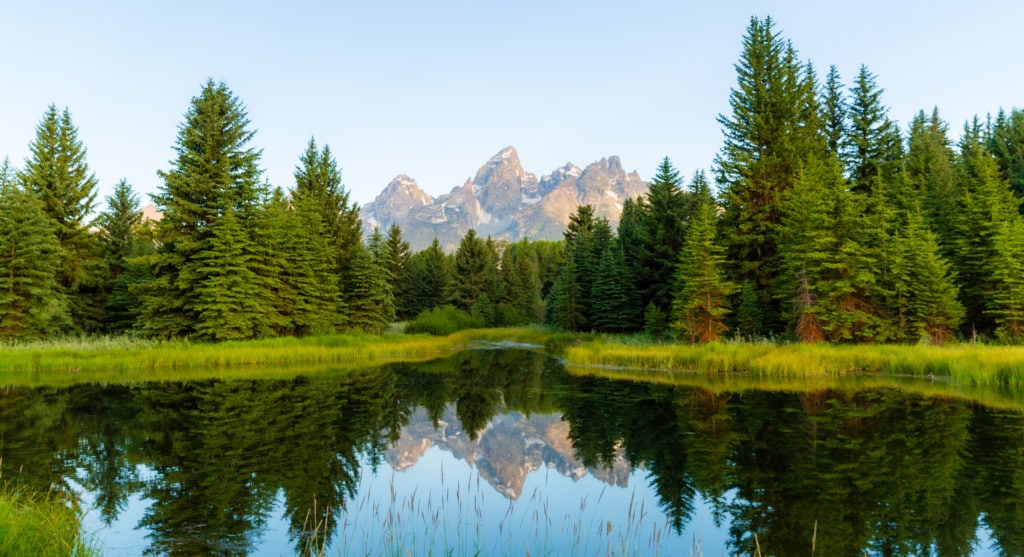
(127, 360)
(117, 360)
(964, 364)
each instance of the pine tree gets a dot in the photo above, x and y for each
(873, 148)
(318, 178)
(476, 273)
(873, 154)
(833, 116)
(774, 129)
(396, 255)
(614, 310)
(120, 227)
(586, 239)
(520, 277)
(934, 313)
(930, 174)
(370, 305)
(1006, 301)
(228, 300)
(428, 280)
(57, 173)
(1006, 142)
(215, 172)
(985, 205)
(653, 251)
(702, 299)
(32, 304)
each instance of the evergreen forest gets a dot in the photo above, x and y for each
(820, 220)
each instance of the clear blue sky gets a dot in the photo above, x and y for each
(433, 89)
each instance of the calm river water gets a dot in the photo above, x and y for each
(504, 452)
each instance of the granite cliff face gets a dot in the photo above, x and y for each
(504, 201)
(505, 452)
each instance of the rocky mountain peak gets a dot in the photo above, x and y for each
(400, 197)
(504, 201)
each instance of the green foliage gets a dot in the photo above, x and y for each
(428, 279)
(476, 272)
(32, 303)
(441, 321)
(521, 285)
(930, 174)
(369, 302)
(833, 112)
(228, 302)
(570, 305)
(762, 156)
(1006, 303)
(121, 237)
(985, 206)
(395, 260)
(872, 149)
(57, 173)
(651, 235)
(1006, 142)
(701, 302)
(42, 525)
(215, 172)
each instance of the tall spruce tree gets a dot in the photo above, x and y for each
(653, 250)
(873, 148)
(930, 174)
(985, 205)
(833, 112)
(216, 171)
(1006, 299)
(702, 296)
(120, 233)
(521, 286)
(586, 239)
(57, 173)
(428, 279)
(318, 180)
(32, 303)
(615, 303)
(934, 313)
(396, 255)
(476, 280)
(1006, 142)
(772, 132)
(229, 301)
(370, 304)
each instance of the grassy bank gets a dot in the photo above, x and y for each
(123, 359)
(39, 525)
(965, 364)
(127, 360)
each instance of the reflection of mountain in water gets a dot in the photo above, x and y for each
(505, 452)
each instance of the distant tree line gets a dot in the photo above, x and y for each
(829, 224)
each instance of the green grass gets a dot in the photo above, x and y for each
(125, 360)
(966, 364)
(39, 525)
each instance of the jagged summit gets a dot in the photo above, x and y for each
(503, 200)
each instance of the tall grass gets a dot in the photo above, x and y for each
(41, 525)
(965, 364)
(117, 360)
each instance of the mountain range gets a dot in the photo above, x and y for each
(503, 201)
(505, 452)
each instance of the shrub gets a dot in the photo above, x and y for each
(442, 320)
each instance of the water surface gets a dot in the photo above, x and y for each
(503, 451)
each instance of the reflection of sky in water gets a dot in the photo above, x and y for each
(466, 514)
(546, 495)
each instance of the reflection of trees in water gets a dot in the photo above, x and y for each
(877, 470)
